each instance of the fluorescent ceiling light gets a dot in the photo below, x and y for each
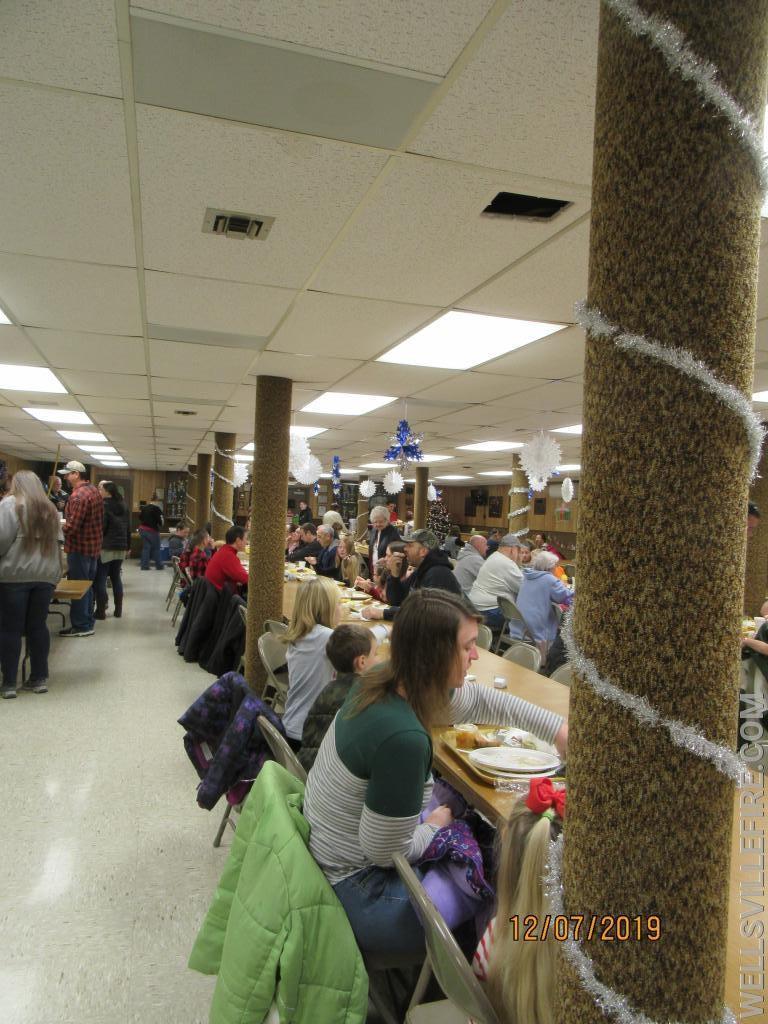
(81, 435)
(497, 472)
(341, 403)
(760, 396)
(244, 458)
(490, 446)
(29, 378)
(307, 431)
(4, 316)
(379, 465)
(113, 465)
(350, 470)
(98, 449)
(456, 341)
(575, 429)
(569, 467)
(435, 458)
(250, 447)
(59, 415)
(453, 478)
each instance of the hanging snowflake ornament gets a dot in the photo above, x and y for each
(539, 459)
(298, 454)
(316, 488)
(310, 472)
(393, 482)
(431, 493)
(367, 488)
(336, 475)
(405, 446)
(241, 472)
(567, 489)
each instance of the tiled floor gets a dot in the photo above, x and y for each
(108, 866)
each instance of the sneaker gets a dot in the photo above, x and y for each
(71, 631)
(7, 693)
(35, 686)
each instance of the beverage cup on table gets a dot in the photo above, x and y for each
(301, 565)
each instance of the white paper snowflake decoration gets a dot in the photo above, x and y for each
(567, 489)
(298, 455)
(240, 475)
(393, 482)
(539, 459)
(431, 493)
(309, 472)
(367, 489)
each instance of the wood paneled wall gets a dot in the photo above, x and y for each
(14, 463)
(557, 517)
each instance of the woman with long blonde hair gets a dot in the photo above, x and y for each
(519, 972)
(348, 563)
(30, 568)
(315, 614)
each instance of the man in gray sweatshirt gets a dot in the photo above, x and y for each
(470, 561)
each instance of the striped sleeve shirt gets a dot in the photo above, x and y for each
(372, 776)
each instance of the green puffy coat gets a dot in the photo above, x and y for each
(276, 930)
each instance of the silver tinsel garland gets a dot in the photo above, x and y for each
(680, 56)
(612, 1003)
(685, 736)
(519, 511)
(517, 490)
(683, 361)
(218, 515)
(224, 478)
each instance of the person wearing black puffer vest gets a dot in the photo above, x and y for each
(116, 542)
(431, 569)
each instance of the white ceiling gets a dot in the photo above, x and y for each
(110, 282)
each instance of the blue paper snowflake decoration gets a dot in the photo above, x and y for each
(405, 446)
(336, 475)
(316, 488)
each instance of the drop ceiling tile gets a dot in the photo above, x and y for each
(222, 306)
(70, 296)
(392, 379)
(309, 186)
(550, 396)
(82, 211)
(106, 420)
(122, 385)
(67, 44)
(319, 372)
(165, 412)
(475, 415)
(761, 338)
(558, 355)
(182, 390)
(15, 347)
(301, 397)
(472, 387)
(110, 407)
(525, 102)
(340, 325)
(71, 350)
(431, 243)
(526, 291)
(198, 362)
(425, 36)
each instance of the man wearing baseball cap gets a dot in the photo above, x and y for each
(500, 576)
(432, 568)
(83, 532)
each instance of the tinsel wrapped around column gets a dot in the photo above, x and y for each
(518, 500)
(190, 507)
(270, 485)
(203, 511)
(756, 576)
(420, 498)
(673, 258)
(223, 484)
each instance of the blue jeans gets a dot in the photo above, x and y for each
(109, 570)
(82, 567)
(494, 618)
(380, 912)
(150, 548)
(24, 612)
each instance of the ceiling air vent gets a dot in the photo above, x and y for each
(237, 225)
(184, 412)
(512, 204)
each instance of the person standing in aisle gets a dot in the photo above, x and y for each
(115, 543)
(150, 524)
(83, 531)
(30, 568)
(58, 495)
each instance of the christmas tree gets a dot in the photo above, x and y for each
(438, 520)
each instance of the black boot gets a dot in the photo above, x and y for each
(101, 608)
(118, 606)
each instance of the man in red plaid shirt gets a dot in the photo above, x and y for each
(83, 534)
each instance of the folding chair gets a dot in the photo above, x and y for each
(525, 655)
(281, 750)
(484, 636)
(466, 997)
(563, 675)
(273, 657)
(273, 626)
(511, 613)
(175, 578)
(183, 575)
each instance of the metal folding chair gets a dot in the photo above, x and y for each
(183, 575)
(484, 636)
(273, 657)
(273, 626)
(525, 655)
(175, 579)
(511, 613)
(563, 675)
(281, 750)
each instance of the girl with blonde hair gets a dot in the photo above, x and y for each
(349, 564)
(30, 568)
(520, 974)
(315, 614)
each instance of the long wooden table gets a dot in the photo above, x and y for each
(291, 588)
(742, 953)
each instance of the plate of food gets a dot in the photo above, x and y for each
(514, 760)
(358, 596)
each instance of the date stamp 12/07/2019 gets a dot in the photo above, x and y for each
(606, 928)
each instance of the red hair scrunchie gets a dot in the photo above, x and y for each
(542, 795)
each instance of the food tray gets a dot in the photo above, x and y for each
(448, 739)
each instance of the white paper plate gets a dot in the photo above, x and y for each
(514, 760)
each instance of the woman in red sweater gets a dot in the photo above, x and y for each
(225, 564)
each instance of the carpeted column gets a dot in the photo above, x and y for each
(270, 483)
(420, 497)
(756, 577)
(190, 507)
(518, 499)
(673, 257)
(223, 484)
(203, 513)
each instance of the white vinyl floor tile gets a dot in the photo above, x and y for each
(108, 861)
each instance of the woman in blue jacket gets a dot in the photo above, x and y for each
(539, 592)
